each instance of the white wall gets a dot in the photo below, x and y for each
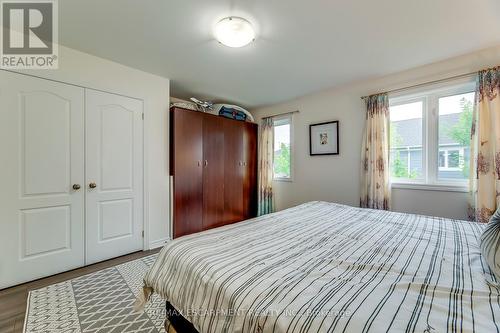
(178, 100)
(336, 178)
(89, 71)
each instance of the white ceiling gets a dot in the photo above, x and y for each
(302, 45)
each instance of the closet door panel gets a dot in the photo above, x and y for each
(188, 171)
(213, 171)
(114, 168)
(250, 170)
(234, 171)
(41, 214)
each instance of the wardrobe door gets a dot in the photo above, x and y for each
(114, 172)
(213, 171)
(250, 170)
(233, 163)
(188, 171)
(42, 160)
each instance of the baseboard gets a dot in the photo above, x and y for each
(159, 243)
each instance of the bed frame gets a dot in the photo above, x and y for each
(177, 321)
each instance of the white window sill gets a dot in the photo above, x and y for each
(288, 180)
(432, 187)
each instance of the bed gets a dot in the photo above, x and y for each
(325, 267)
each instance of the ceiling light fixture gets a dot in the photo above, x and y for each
(234, 31)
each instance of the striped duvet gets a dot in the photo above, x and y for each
(323, 267)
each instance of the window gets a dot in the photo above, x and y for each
(455, 121)
(283, 148)
(406, 140)
(450, 160)
(429, 135)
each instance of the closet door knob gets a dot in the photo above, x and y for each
(206, 163)
(92, 185)
(76, 187)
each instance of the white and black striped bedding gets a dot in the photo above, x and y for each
(323, 267)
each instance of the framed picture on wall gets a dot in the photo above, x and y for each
(324, 138)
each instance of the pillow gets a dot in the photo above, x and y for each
(490, 244)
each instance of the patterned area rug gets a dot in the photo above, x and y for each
(99, 302)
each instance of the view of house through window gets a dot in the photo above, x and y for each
(430, 136)
(406, 140)
(282, 147)
(455, 121)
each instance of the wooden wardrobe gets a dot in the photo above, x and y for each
(213, 161)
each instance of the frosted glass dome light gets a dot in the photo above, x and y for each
(234, 31)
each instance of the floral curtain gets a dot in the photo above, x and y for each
(375, 187)
(266, 151)
(484, 179)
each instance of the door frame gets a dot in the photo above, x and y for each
(145, 164)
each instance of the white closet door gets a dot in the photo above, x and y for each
(42, 157)
(114, 187)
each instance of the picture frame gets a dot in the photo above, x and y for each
(324, 138)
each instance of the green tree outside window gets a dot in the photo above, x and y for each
(282, 161)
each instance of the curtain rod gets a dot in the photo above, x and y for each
(429, 82)
(281, 114)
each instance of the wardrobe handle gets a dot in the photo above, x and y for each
(76, 187)
(199, 163)
(92, 185)
(206, 163)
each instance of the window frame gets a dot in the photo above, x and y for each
(289, 117)
(431, 94)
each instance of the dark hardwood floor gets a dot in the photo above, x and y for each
(13, 300)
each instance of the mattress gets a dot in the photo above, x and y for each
(324, 267)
